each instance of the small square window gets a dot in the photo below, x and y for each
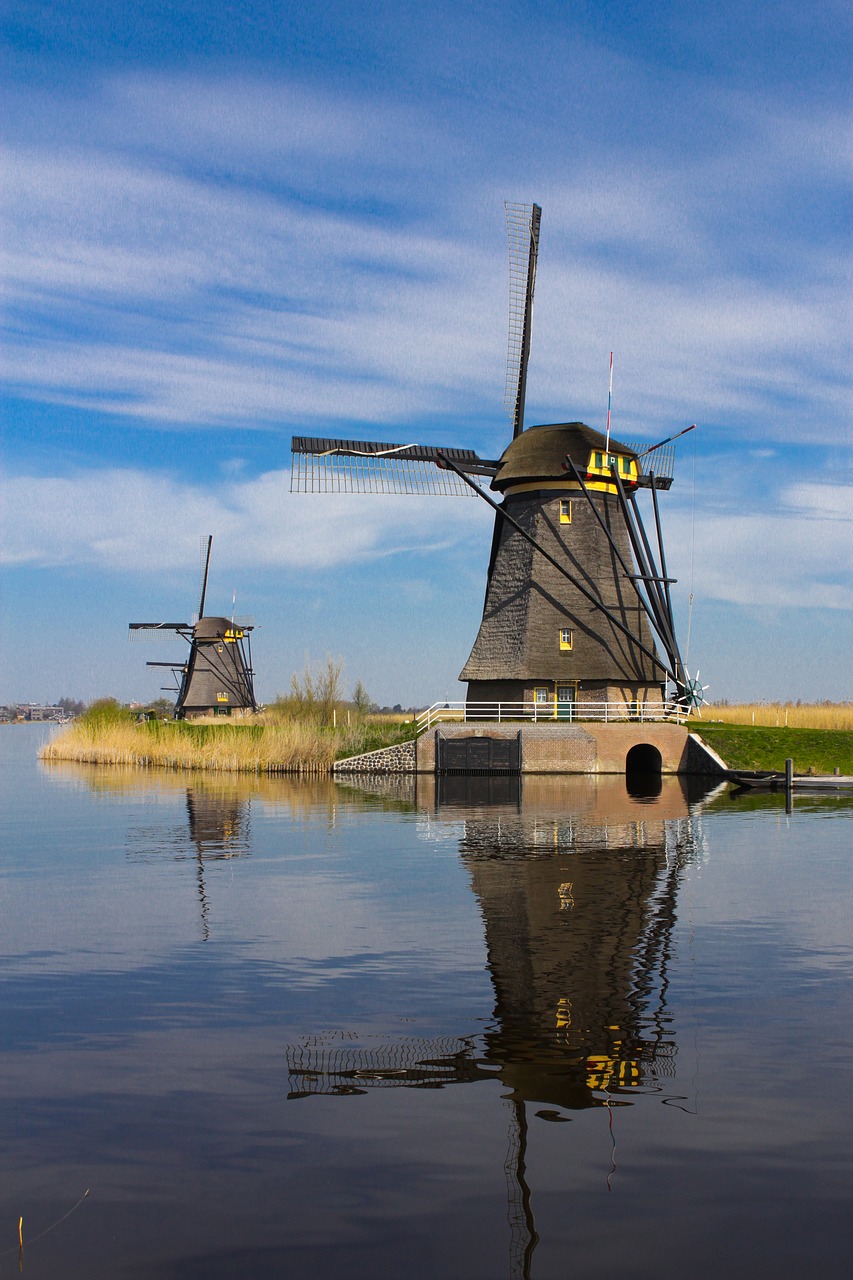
(566, 638)
(565, 511)
(541, 695)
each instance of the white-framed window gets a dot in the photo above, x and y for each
(541, 694)
(567, 638)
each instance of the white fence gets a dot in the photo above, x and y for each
(539, 712)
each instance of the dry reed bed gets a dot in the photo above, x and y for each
(271, 748)
(819, 715)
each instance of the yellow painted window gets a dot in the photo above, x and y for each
(566, 638)
(565, 511)
(222, 697)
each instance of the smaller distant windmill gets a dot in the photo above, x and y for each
(217, 674)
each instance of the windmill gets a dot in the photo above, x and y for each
(577, 598)
(216, 676)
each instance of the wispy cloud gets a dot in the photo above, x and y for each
(799, 556)
(190, 258)
(796, 555)
(113, 519)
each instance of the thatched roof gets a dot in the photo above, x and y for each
(212, 628)
(540, 452)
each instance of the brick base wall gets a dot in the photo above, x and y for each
(557, 747)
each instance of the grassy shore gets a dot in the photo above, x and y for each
(747, 746)
(255, 744)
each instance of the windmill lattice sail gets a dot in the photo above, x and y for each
(325, 465)
(522, 225)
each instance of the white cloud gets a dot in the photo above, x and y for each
(798, 556)
(119, 520)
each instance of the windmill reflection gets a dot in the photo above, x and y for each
(577, 884)
(219, 829)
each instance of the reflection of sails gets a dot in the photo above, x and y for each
(577, 884)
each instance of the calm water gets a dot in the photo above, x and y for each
(284, 1030)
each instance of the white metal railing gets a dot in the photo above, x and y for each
(536, 712)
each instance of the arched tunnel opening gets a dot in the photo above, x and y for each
(643, 771)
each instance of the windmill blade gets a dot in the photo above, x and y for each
(325, 465)
(660, 460)
(206, 543)
(157, 630)
(522, 225)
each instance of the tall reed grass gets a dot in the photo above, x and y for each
(780, 715)
(258, 744)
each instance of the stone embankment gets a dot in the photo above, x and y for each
(397, 759)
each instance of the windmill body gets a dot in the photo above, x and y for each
(216, 676)
(541, 639)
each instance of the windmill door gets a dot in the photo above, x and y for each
(567, 696)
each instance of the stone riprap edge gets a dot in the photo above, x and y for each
(397, 759)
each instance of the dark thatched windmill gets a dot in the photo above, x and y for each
(576, 598)
(216, 676)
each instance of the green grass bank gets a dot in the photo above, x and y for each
(745, 746)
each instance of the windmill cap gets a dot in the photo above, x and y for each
(539, 453)
(212, 628)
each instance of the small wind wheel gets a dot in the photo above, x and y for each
(694, 693)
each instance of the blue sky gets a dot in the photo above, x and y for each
(228, 223)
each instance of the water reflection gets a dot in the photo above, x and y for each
(521, 937)
(577, 882)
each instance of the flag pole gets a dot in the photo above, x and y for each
(609, 400)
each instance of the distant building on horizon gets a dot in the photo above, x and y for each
(36, 711)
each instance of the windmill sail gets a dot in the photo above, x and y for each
(158, 630)
(522, 224)
(324, 465)
(205, 570)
